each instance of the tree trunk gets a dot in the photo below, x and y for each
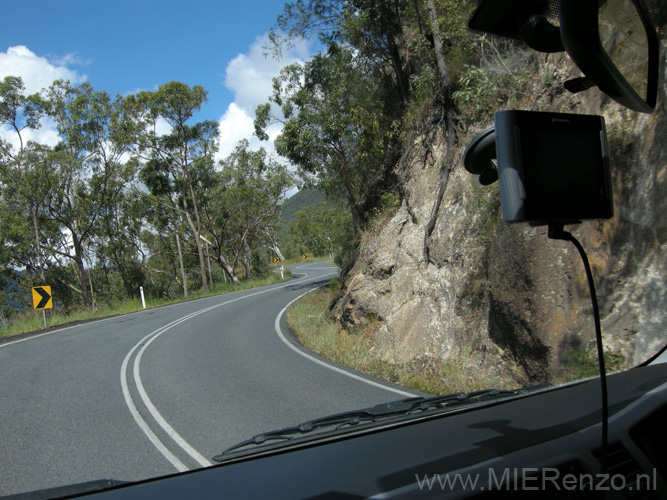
(356, 216)
(80, 269)
(200, 251)
(227, 269)
(274, 248)
(450, 130)
(180, 262)
(208, 262)
(90, 282)
(437, 46)
(195, 232)
(246, 260)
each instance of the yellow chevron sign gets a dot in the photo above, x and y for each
(41, 297)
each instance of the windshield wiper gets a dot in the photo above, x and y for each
(402, 408)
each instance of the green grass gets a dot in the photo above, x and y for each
(32, 320)
(583, 363)
(361, 350)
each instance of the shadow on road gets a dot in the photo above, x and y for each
(309, 284)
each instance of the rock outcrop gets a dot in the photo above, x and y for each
(512, 301)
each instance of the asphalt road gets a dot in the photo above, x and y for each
(164, 390)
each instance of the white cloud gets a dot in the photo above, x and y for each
(235, 125)
(37, 73)
(47, 134)
(250, 78)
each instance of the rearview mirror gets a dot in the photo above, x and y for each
(613, 42)
(615, 46)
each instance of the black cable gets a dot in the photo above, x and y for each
(556, 232)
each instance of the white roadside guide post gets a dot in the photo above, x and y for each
(143, 301)
(281, 273)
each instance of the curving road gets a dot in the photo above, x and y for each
(164, 390)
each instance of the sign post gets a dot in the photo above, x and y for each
(42, 299)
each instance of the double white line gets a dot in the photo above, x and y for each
(159, 419)
(136, 373)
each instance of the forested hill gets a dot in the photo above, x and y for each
(307, 197)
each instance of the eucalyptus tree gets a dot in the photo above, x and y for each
(243, 207)
(167, 139)
(323, 229)
(161, 234)
(335, 129)
(119, 250)
(85, 169)
(375, 30)
(22, 191)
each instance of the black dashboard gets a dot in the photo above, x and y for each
(542, 445)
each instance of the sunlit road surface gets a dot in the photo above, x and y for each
(164, 390)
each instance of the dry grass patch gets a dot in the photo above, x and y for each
(362, 351)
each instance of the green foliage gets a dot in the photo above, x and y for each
(478, 90)
(307, 197)
(260, 267)
(335, 129)
(241, 209)
(389, 201)
(323, 231)
(486, 85)
(290, 250)
(583, 363)
(485, 206)
(16, 106)
(116, 205)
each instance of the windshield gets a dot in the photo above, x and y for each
(222, 220)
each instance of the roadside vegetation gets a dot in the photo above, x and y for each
(30, 320)
(308, 318)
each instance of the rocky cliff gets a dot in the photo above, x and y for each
(511, 303)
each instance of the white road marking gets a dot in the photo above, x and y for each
(180, 466)
(99, 320)
(185, 446)
(159, 419)
(324, 363)
(148, 339)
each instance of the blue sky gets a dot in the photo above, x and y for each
(124, 46)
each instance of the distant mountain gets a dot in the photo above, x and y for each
(302, 199)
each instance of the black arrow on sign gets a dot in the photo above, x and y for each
(45, 298)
